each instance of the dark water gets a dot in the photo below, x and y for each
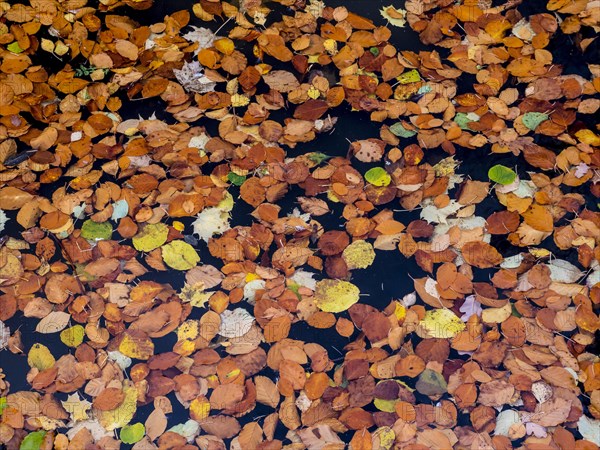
(390, 277)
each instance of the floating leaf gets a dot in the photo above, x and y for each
(33, 440)
(412, 76)
(151, 237)
(336, 295)
(502, 174)
(14, 47)
(120, 210)
(180, 255)
(96, 231)
(40, 357)
(359, 255)
(441, 323)
(53, 322)
(236, 179)
(130, 434)
(377, 176)
(394, 16)
(72, 337)
(122, 415)
(532, 119)
(399, 130)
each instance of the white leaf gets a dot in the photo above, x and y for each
(563, 271)
(3, 219)
(512, 262)
(203, 36)
(188, 430)
(470, 307)
(250, 289)
(505, 421)
(304, 278)
(581, 170)
(537, 430)
(4, 335)
(589, 429)
(433, 214)
(192, 79)
(235, 323)
(53, 322)
(211, 221)
(122, 361)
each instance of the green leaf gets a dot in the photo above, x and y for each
(399, 130)
(377, 176)
(14, 47)
(532, 119)
(374, 51)
(431, 383)
(120, 210)
(412, 76)
(33, 441)
(96, 231)
(151, 237)
(130, 434)
(236, 179)
(502, 174)
(463, 120)
(318, 157)
(2, 404)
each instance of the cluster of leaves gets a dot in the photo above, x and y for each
(81, 259)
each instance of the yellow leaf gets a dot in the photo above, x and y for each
(40, 357)
(496, 315)
(359, 255)
(136, 348)
(61, 49)
(188, 330)
(588, 137)
(440, 323)
(73, 336)
(180, 255)
(224, 45)
(335, 295)
(47, 45)
(151, 237)
(199, 409)
(239, 100)
(314, 93)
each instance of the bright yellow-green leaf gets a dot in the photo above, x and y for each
(130, 434)
(314, 93)
(40, 357)
(180, 255)
(359, 255)
(335, 295)
(73, 336)
(377, 176)
(151, 237)
(440, 323)
(385, 405)
(412, 76)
